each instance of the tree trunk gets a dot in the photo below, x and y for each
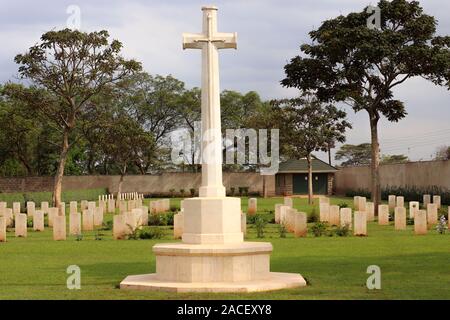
(310, 181)
(329, 155)
(122, 175)
(375, 163)
(57, 188)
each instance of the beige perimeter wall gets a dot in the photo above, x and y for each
(420, 174)
(140, 183)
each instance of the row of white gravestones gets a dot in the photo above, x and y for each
(130, 196)
(294, 221)
(159, 206)
(105, 197)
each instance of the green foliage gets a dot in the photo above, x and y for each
(151, 233)
(319, 229)
(163, 219)
(260, 224)
(107, 225)
(313, 217)
(343, 231)
(282, 230)
(343, 205)
(172, 193)
(354, 155)
(442, 227)
(232, 191)
(358, 192)
(192, 191)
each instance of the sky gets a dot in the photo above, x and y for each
(269, 35)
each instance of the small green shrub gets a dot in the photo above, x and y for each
(343, 231)
(282, 230)
(313, 217)
(192, 192)
(319, 229)
(232, 191)
(172, 193)
(260, 224)
(442, 227)
(409, 221)
(108, 225)
(343, 205)
(152, 233)
(182, 191)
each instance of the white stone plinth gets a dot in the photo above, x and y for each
(239, 267)
(212, 221)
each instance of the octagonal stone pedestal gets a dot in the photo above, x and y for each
(213, 256)
(239, 267)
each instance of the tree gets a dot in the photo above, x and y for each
(309, 126)
(19, 134)
(395, 158)
(442, 153)
(122, 141)
(354, 155)
(73, 67)
(348, 61)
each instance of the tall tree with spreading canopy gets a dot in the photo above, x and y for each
(348, 61)
(72, 67)
(308, 126)
(354, 155)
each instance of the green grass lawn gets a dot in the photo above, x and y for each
(412, 267)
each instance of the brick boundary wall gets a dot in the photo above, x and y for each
(418, 174)
(151, 184)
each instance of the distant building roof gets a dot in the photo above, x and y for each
(301, 166)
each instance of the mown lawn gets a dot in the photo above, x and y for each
(412, 267)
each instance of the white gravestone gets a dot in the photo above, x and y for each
(346, 217)
(437, 201)
(400, 218)
(21, 225)
(59, 228)
(38, 220)
(324, 212)
(383, 214)
(400, 201)
(432, 214)
(16, 208)
(75, 224)
(420, 222)
(413, 207)
(300, 225)
(2, 229)
(73, 207)
(360, 224)
(426, 200)
(334, 215)
(370, 210)
(392, 202)
(31, 208)
(88, 220)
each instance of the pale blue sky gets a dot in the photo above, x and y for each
(269, 34)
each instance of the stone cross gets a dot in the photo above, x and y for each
(210, 41)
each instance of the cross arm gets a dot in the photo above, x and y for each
(192, 40)
(226, 40)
